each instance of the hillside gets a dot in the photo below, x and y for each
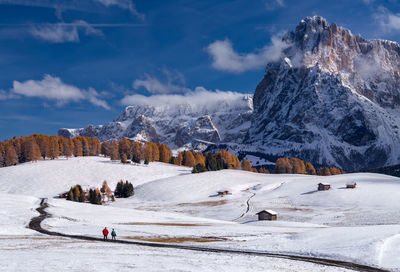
(170, 204)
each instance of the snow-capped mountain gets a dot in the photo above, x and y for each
(178, 125)
(333, 98)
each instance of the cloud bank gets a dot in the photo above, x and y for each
(225, 58)
(80, 5)
(387, 20)
(63, 32)
(199, 98)
(52, 88)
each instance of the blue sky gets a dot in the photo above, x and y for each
(79, 62)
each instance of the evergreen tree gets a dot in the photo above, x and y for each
(119, 189)
(146, 161)
(199, 168)
(211, 162)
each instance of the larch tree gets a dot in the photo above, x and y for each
(10, 155)
(310, 169)
(85, 146)
(77, 147)
(188, 158)
(1, 154)
(199, 159)
(165, 153)
(53, 147)
(43, 143)
(31, 150)
(246, 165)
(124, 147)
(179, 159)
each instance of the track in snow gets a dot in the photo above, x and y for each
(35, 224)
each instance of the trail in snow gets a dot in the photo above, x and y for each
(248, 206)
(35, 224)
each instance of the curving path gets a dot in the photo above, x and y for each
(35, 224)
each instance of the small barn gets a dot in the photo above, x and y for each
(324, 186)
(351, 185)
(267, 215)
(223, 193)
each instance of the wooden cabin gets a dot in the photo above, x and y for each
(223, 193)
(267, 215)
(351, 185)
(324, 186)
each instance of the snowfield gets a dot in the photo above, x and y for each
(171, 205)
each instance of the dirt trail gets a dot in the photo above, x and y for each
(35, 224)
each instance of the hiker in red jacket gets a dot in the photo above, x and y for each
(105, 233)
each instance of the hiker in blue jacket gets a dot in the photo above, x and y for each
(113, 234)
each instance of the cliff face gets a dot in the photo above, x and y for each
(332, 99)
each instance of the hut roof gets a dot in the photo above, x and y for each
(351, 183)
(271, 212)
(323, 183)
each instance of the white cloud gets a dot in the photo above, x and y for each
(124, 4)
(81, 5)
(225, 58)
(63, 32)
(174, 83)
(199, 98)
(274, 4)
(387, 20)
(53, 88)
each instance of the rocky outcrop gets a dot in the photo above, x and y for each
(331, 99)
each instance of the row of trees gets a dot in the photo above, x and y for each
(297, 166)
(223, 159)
(36, 147)
(98, 196)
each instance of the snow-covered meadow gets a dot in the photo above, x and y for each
(361, 225)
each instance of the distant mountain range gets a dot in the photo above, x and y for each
(332, 99)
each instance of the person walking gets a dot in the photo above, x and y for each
(113, 234)
(105, 233)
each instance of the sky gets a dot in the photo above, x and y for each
(67, 64)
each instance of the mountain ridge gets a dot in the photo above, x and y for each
(332, 99)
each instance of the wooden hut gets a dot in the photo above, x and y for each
(223, 193)
(324, 186)
(351, 185)
(267, 215)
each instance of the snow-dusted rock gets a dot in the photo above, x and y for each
(337, 103)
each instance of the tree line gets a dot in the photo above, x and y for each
(36, 147)
(297, 166)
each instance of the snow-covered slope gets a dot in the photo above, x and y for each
(332, 99)
(189, 125)
(360, 225)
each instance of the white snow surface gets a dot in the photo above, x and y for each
(360, 225)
